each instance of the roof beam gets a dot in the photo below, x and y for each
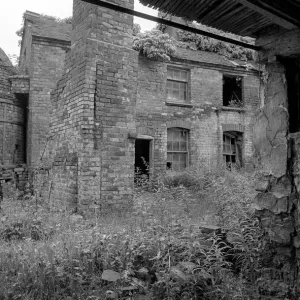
(170, 23)
(276, 11)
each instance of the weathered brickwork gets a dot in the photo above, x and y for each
(20, 84)
(94, 110)
(204, 114)
(91, 96)
(46, 68)
(12, 121)
(12, 131)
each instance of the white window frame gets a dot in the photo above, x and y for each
(172, 151)
(179, 81)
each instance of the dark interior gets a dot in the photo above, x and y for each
(142, 156)
(232, 90)
(293, 84)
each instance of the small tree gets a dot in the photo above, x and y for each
(155, 45)
(136, 29)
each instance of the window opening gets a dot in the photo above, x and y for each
(142, 157)
(232, 149)
(177, 85)
(232, 91)
(177, 149)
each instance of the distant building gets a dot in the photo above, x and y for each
(97, 109)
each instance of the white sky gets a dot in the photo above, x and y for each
(11, 17)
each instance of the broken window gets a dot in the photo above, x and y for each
(177, 149)
(177, 85)
(232, 91)
(232, 149)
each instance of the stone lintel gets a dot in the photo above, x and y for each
(36, 39)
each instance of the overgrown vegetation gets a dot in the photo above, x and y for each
(194, 41)
(155, 45)
(158, 249)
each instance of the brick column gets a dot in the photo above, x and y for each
(96, 101)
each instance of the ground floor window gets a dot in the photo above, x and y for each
(232, 148)
(177, 149)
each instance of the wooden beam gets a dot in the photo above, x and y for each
(170, 23)
(280, 14)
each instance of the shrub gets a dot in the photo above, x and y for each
(154, 45)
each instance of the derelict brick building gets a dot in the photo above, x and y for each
(95, 106)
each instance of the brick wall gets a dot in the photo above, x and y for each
(19, 84)
(47, 64)
(93, 112)
(11, 117)
(203, 115)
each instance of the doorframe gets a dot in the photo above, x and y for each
(151, 150)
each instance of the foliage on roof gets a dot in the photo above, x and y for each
(188, 40)
(155, 45)
(194, 41)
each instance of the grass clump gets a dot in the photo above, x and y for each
(158, 249)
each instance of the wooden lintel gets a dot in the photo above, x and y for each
(283, 17)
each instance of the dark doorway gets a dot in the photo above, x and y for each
(293, 84)
(142, 156)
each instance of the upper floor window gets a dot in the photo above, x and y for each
(177, 85)
(177, 149)
(232, 91)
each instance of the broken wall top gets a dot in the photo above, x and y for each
(42, 26)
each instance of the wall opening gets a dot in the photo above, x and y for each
(293, 88)
(177, 149)
(142, 157)
(232, 91)
(24, 99)
(232, 149)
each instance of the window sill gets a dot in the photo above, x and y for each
(237, 109)
(181, 104)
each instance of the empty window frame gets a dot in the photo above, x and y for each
(177, 85)
(232, 91)
(177, 149)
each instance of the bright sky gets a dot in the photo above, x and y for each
(11, 17)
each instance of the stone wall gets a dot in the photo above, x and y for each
(278, 152)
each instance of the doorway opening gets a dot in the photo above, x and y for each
(142, 158)
(293, 85)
